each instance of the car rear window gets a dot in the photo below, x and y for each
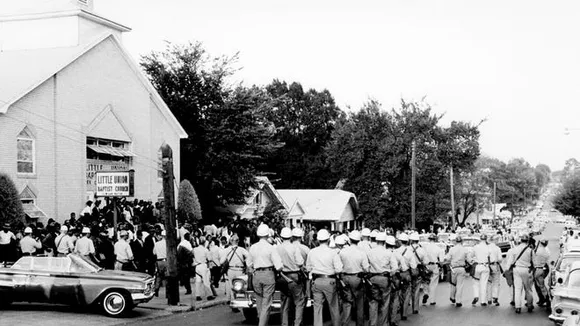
(574, 279)
(565, 262)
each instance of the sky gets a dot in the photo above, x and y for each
(514, 64)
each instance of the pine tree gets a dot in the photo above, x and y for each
(10, 205)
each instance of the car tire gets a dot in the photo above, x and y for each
(116, 304)
(251, 315)
(5, 303)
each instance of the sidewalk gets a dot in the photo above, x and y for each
(187, 302)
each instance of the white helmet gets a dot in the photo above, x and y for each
(263, 230)
(382, 236)
(297, 232)
(374, 233)
(322, 235)
(163, 233)
(366, 232)
(354, 235)
(286, 233)
(390, 240)
(414, 237)
(27, 230)
(63, 228)
(340, 240)
(403, 237)
(86, 230)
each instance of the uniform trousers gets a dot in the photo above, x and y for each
(264, 286)
(417, 287)
(202, 281)
(353, 295)
(523, 285)
(379, 301)
(324, 289)
(433, 282)
(161, 274)
(480, 286)
(458, 277)
(233, 273)
(394, 306)
(493, 283)
(295, 301)
(540, 284)
(405, 298)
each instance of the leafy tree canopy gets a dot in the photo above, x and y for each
(10, 205)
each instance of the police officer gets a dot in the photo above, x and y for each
(373, 237)
(236, 258)
(407, 278)
(297, 235)
(365, 243)
(522, 274)
(28, 244)
(383, 265)
(435, 257)
(324, 264)
(292, 262)
(480, 256)
(457, 258)
(541, 257)
(418, 283)
(511, 255)
(355, 262)
(263, 262)
(401, 272)
(495, 272)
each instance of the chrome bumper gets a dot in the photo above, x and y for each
(557, 319)
(141, 297)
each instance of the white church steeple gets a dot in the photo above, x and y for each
(38, 24)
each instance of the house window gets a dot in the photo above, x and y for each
(26, 152)
(258, 200)
(159, 166)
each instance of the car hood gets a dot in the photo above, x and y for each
(123, 275)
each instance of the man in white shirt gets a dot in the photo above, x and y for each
(495, 258)
(160, 252)
(85, 246)
(435, 257)
(6, 236)
(123, 253)
(63, 243)
(28, 245)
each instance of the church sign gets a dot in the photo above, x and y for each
(114, 184)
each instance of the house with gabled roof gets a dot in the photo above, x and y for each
(73, 102)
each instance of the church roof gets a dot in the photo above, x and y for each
(23, 71)
(321, 204)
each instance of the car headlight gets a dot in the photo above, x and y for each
(558, 310)
(238, 285)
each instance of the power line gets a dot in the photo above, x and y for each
(64, 125)
(74, 140)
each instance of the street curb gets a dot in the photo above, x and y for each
(175, 310)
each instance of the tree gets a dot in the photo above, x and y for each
(229, 137)
(304, 121)
(567, 201)
(11, 210)
(188, 206)
(371, 149)
(571, 168)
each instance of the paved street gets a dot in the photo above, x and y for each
(441, 314)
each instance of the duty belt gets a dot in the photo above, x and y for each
(315, 276)
(291, 272)
(384, 274)
(352, 274)
(263, 269)
(162, 259)
(460, 266)
(431, 263)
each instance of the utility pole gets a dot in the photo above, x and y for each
(494, 187)
(413, 182)
(452, 197)
(170, 227)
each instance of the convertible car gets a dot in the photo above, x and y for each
(73, 280)
(566, 296)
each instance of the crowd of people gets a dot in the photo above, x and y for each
(390, 271)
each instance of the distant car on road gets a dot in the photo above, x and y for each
(74, 280)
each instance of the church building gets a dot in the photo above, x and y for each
(74, 102)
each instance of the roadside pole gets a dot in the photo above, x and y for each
(452, 198)
(170, 226)
(413, 182)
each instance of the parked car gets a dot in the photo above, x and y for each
(74, 280)
(560, 268)
(566, 298)
(573, 320)
(245, 299)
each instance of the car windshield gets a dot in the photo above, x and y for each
(82, 264)
(574, 279)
